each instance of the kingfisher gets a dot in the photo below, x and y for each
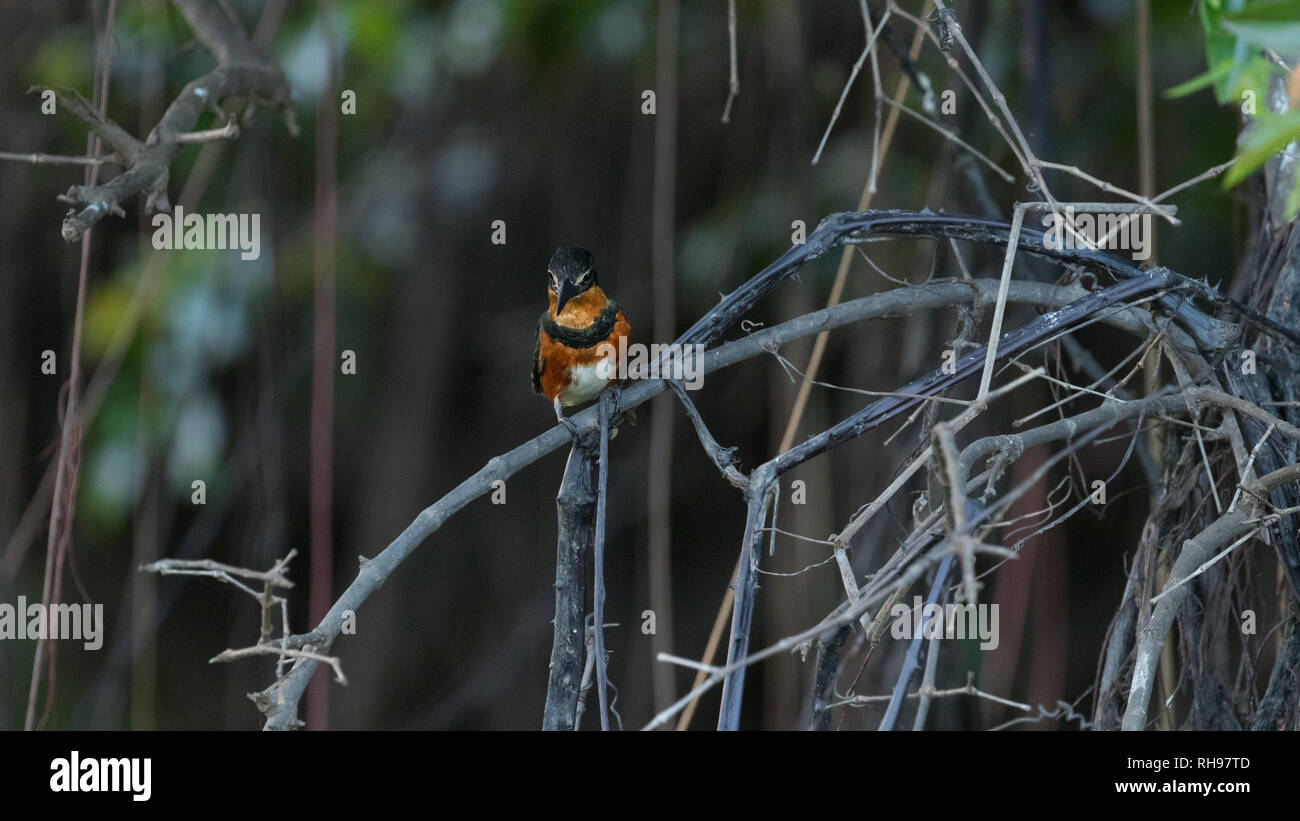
(568, 367)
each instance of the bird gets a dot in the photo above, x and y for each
(569, 367)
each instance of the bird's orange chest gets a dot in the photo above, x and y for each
(565, 366)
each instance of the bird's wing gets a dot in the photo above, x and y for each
(539, 364)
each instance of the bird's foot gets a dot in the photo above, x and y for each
(563, 420)
(616, 405)
(570, 427)
(615, 392)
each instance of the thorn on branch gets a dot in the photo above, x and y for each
(229, 131)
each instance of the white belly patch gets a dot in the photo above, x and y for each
(586, 381)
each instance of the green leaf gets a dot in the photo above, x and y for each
(1219, 45)
(1276, 11)
(1272, 25)
(1209, 78)
(1270, 135)
(1293, 200)
(1251, 76)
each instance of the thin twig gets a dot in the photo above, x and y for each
(229, 131)
(274, 650)
(853, 75)
(598, 573)
(59, 159)
(733, 84)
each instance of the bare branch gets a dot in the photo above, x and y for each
(273, 650)
(229, 131)
(242, 71)
(59, 159)
(279, 702)
(1195, 552)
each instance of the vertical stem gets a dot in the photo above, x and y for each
(598, 571)
(1151, 362)
(910, 661)
(828, 668)
(322, 394)
(575, 505)
(65, 476)
(145, 520)
(1145, 112)
(662, 218)
(746, 586)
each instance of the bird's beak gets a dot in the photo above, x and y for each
(568, 290)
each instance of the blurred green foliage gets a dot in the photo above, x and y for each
(1236, 31)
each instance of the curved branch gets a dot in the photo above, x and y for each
(279, 702)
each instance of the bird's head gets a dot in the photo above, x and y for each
(571, 272)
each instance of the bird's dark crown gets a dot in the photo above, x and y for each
(574, 264)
